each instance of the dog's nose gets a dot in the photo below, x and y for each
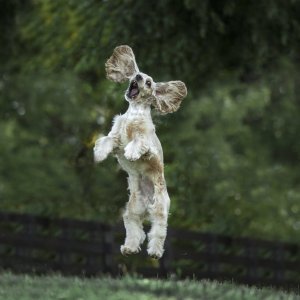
(138, 77)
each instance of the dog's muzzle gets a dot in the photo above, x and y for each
(133, 90)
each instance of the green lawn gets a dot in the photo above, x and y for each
(25, 287)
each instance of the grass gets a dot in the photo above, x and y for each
(25, 287)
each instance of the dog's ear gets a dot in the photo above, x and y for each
(168, 96)
(121, 65)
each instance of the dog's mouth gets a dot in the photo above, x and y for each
(133, 90)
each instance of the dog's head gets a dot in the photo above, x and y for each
(164, 96)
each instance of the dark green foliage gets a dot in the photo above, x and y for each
(232, 151)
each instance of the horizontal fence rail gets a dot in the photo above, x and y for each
(38, 244)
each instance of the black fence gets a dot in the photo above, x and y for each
(38, 244)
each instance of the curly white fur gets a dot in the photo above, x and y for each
(134, 142)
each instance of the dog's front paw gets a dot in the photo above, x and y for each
(99, 155)
(132, 156)
(102, 148)
(131, 152)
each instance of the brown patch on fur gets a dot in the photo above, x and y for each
(134, 128)
(121, 65)
(153, 165)
(161, 88)
(130, 69)
(159, 212)
(159, 184)
(169, 96)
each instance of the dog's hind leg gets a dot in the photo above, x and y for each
(158, 211)
(133, 217)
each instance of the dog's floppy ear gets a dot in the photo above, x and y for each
(168, 96)
(121, 65)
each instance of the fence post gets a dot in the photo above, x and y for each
(279, 271)
(108, 250)
(213, 266)
(252, 256)
(165, 261)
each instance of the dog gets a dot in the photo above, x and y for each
(137, 148)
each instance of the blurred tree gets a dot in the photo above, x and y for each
(231, 151)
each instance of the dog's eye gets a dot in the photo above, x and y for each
(148, 83)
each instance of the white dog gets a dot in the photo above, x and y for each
(133, 141)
